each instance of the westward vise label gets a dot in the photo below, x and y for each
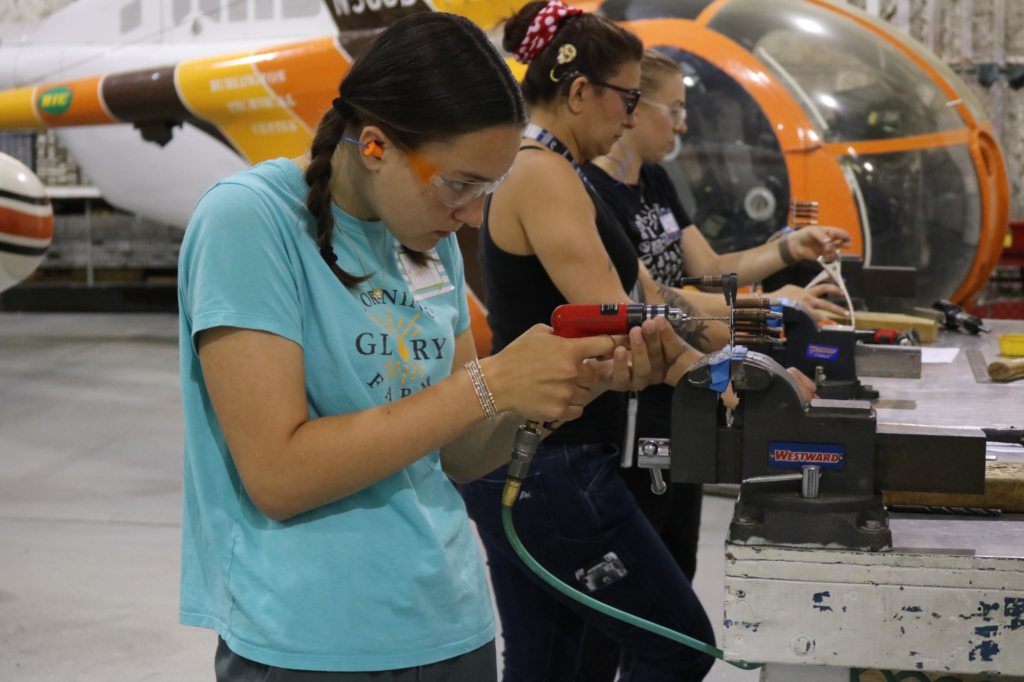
(822, 352)
(796, 455)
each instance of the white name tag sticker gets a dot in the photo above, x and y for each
(669, 223)
(426, 280)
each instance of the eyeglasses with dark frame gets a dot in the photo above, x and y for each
(630, 96)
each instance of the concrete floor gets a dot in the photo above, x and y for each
(90, 505)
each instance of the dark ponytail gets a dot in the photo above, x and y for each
(602, 48)
(427, 78)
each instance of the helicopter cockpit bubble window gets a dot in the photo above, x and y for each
(924, 210)
(852, 83)
(728, 167)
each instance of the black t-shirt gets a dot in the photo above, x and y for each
(520, 294)
(654, 219)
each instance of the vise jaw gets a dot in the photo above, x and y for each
(832, 356)
(774, 434)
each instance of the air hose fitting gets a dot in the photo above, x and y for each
(523, 449)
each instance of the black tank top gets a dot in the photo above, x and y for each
(520, 294)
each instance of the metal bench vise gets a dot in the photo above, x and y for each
(810, 473)
(833, 358)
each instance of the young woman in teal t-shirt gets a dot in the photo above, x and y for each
(324, 331)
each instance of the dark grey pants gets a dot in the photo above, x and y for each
(476, 666)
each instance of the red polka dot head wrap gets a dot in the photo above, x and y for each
(542, 30)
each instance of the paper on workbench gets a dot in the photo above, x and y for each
(938, 356)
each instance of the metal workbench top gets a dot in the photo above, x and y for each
(947, 394)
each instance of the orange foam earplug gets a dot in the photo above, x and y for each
(373, 149)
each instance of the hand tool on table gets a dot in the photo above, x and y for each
(889, 337)
(956, 318)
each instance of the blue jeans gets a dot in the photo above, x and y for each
(579, 520)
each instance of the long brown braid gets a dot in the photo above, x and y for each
(318, 199)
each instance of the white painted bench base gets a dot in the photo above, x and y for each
(926, 610)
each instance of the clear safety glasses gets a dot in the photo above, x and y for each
(449, 190)
(676, 114)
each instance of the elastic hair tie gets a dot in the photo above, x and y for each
(327, 253)
(343, 108)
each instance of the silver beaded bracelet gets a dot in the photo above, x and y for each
(483, 394)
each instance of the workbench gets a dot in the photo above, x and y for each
(947, 603)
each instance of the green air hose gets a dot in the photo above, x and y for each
(510, 531)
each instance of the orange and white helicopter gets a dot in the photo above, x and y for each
(789, 101)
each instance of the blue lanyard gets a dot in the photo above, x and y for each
(535, 132)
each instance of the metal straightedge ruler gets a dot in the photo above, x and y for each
(979, 367)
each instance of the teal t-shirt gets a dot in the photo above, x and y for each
(390, 577)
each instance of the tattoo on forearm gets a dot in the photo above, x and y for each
(695, 333)
(785, 253)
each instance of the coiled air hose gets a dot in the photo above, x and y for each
(527, 439)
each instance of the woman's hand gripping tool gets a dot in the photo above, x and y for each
(574, 322)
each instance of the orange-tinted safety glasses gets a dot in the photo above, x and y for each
(449, 190)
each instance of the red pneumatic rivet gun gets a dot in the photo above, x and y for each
(576, 321)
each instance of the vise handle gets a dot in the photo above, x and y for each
(809, 478)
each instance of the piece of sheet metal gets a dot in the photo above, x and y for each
(895, 362)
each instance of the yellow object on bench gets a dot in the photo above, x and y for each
(1011, 344)
(928, 329)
